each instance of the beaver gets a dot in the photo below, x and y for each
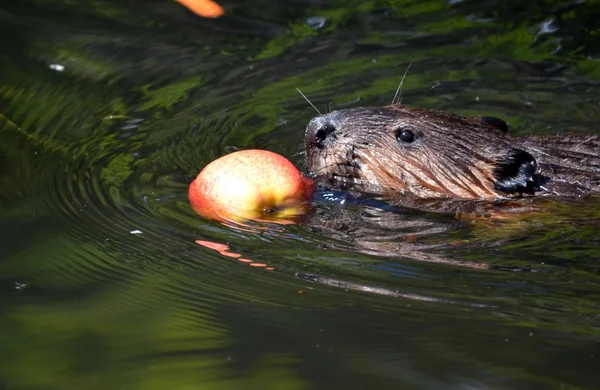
(428, 154)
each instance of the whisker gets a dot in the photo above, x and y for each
(308, 101)
(430, 89)
(299, 153)
(399, 90)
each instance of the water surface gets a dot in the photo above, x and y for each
(108, 109)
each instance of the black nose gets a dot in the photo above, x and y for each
(319, 130)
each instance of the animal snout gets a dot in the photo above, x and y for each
(320, 130)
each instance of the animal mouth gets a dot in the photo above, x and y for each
(339, 170)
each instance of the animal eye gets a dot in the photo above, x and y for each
(405, 136)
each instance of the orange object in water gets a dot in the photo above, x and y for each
(223, 249)
(204, 8)
(213, 245)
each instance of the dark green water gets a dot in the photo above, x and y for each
(360, 297)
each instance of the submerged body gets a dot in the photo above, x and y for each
(412, 153)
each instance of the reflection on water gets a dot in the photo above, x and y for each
(109, 279)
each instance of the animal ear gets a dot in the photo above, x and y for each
(515, 172)
(496, 122)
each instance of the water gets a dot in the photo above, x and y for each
(107, 111)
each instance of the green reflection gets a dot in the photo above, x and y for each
(149, 94)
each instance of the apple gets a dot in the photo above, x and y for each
(251, 185)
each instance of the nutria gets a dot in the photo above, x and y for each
(427, 154)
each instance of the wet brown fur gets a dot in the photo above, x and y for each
(452, 157)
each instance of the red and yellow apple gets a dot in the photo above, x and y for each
(251, 185)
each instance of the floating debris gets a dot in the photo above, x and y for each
(316, 22)
(57, 67)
